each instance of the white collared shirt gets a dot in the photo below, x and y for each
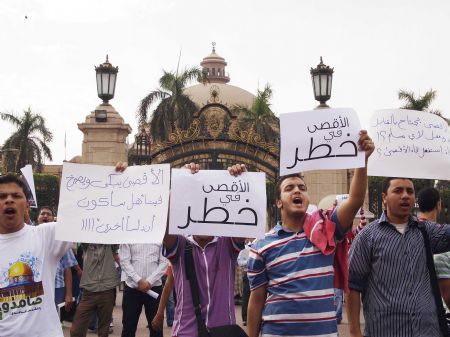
(142, 261)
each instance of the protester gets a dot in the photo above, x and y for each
(291, 270)
(430, 204)
(215, 261)
(29, 256)
(388, 267)
(98, 282)
(143, 266)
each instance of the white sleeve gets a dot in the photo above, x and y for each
(57, 248)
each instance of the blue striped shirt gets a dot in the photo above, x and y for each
(67, 261)
(390, 270)
(299, 280)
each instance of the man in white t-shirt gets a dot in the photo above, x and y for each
(28, 259)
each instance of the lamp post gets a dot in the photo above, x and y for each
(322, 78)
(106, 76)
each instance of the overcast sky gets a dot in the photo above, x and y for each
(376, 48)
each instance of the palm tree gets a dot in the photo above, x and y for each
(420, 103)
(175, 109)
(259, 117)
(28, 144)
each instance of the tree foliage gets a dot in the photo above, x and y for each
(420, 103)
(259, 116)
(28, 143)
(175, 109)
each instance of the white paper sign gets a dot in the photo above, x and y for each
(27, 172)
(408, 143)
(99, 205)
(319, 140)
(213, 202)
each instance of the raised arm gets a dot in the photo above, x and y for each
(346, 213)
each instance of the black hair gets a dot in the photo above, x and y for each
(46, 207)
(12, 179)
(428, 199)
(387, 181)
(283, 178)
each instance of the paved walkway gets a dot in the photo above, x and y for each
(142, 331)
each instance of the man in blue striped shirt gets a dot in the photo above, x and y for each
(291, 269)
(388, 267)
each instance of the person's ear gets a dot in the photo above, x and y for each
(279, 204)
(383, 198)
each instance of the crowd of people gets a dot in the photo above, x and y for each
(290, 276)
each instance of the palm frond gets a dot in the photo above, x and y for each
(146, 102)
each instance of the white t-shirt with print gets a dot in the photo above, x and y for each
(28, 261)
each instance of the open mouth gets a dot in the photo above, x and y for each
(10, 211)
(297, 201)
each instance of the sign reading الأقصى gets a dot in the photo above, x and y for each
(319, 140)
(99, 205)
(213, 202)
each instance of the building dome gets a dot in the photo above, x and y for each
(214, 65)
(20, 273)
(225, 94)
(217, 90)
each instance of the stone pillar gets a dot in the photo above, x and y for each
(325, 182)
(104, 143)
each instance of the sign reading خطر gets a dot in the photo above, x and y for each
(319, 140)
(213, 202)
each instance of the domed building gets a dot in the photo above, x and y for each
(20, 273)
(214, 139)
(21, 284)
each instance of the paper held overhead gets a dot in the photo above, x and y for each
(319, 140)
(409, 143)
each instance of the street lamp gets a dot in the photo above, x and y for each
(106, 85)
(322, 78)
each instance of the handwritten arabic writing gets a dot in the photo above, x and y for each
(410, 141)
(393, 129)
(124, 225)
(113, 180)
(100, 205)
(309, 139)
(206, 206)
(111, 201)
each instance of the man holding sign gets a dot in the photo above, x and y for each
(28, 259)
(291, 270)
(215, 261)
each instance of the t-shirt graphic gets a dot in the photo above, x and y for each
(21, 289)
